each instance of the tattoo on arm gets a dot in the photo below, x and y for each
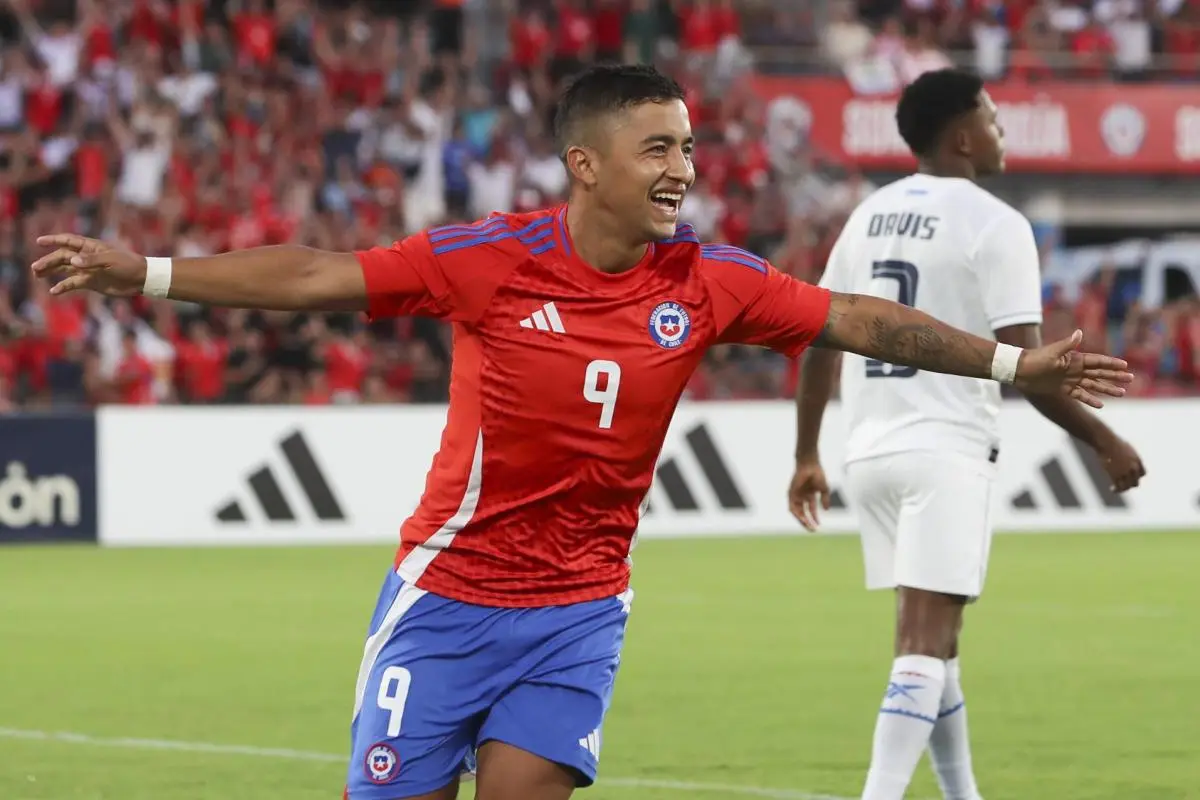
(890, 332)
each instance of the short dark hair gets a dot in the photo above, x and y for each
(931, 103)
(607, 89)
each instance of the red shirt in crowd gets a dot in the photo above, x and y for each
(255, 35)
(529, 39)
(202, 369)
(135, 380)
(346, 366)
(575, 32)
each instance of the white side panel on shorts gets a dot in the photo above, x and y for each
(415, 563)
(406, 598)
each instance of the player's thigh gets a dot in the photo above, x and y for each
(944, 533)
(510, 773)
(556, 711)
(875, 495)
(418, 699)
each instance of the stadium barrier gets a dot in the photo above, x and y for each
(47, 478)
(223, 476)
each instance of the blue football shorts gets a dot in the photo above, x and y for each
(440, 677)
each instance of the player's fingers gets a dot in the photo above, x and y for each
(814, 515)
(69, 284)
(1064, 346)
(801, 510)
(71, 240)
(795, 507)
(1110, 375)
(1094, 361)
(826, 499)
(53, 263)
(1086, 397)
(1102, 387)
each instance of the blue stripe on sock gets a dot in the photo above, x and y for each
(950, 710)
(903, 713)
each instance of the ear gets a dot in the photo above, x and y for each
(581, 164)
(962, 140)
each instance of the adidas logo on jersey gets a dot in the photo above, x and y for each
(545, 319)
(1055, 483)
(269, 494)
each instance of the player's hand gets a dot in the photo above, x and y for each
(809, 490)
(89, 264)
(1059, 367)
(1122, 463)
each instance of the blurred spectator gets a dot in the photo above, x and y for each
(193, 126)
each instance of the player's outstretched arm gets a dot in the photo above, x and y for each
(1121, 461)
(282, 278)
(898, 334)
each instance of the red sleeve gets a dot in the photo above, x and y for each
(757, 304)
(411, 279)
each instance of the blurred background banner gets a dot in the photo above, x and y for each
(48, 478)
(1050, 126)
(287, 476)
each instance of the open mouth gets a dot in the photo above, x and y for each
(667, 202)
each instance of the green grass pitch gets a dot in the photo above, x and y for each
(753, 668)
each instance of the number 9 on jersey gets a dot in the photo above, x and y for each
(601, 384)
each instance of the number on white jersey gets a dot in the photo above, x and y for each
(606, 398)
(905, 275)
(393, 694)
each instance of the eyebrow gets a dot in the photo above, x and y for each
(664, 138)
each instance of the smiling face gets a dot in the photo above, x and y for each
(643, 166)
(625, 136)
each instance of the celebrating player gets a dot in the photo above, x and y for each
(922, 447)
(498, 632)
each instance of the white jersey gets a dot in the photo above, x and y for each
(960, 254)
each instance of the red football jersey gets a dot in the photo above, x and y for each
(563, 384)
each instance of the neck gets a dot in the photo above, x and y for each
(600, 239)
(948, 168)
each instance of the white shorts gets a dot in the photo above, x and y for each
(925, 520)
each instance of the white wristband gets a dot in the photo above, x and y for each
(1004, 363)
(158, 277)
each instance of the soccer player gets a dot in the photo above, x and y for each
(497, 635)
(922, 447)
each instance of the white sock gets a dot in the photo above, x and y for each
(906, 719)
(949, 745)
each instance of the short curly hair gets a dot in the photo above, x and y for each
(931, 103)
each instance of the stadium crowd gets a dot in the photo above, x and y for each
(190, 127)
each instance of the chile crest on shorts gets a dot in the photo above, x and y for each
(381, 764)
(670, 325)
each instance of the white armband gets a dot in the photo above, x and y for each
(1004, 362)
(158, 277)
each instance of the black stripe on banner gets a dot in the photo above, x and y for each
(714, 468)
(678, 494)
(232, 513)
(1099, 478)
(836, 500)
(270, 496)
(1056, 479)
(311, 479)
(1024, 500)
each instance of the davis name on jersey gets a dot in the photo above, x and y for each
(960, 254)
(563, 383)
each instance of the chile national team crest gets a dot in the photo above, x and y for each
(670, 325)
(381, 764)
